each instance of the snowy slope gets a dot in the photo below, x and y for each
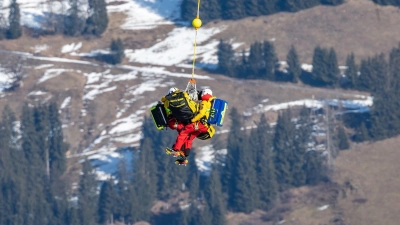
(141, 14)
(176, 49)
(146, 14)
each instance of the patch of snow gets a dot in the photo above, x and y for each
(307, 67)
(34, 13)
(92, 53)
(156, 71)
(125, 125)
(106, 163)
(146, 14)
(362, 105)
(205, 157)
(322, 208)
(51, 73)
(126, 131)
(39, 48)
(5, 79)
(177, 48)
(37, 93)
(43, 66)
(66, 101)
(71, 47)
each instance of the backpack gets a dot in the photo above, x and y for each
(182, 107)
(217, 112)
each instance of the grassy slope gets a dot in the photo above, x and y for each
(351, 27)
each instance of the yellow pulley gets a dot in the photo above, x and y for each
(196, 23)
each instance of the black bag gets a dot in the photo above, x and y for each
(182, 108)
(159, 116)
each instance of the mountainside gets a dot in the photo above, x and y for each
(102, 107)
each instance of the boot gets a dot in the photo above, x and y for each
(173, 152)
(182, 161)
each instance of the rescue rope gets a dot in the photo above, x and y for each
(191, 87)
(196, 24)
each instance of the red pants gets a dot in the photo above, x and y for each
(187, 134)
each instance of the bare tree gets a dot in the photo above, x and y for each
(3, 22)
(15, 69)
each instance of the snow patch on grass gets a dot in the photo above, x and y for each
(178, 48)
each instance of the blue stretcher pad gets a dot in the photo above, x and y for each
(218, 111)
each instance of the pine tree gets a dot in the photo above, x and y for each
(97, 22)
(146, 180)
(124, 192)
(233, 9)
(333, 68)
(393, 81)
(291, 5)
(301, 140)
(189, 9)
(343, 140)
(251, 7)
(57, 146)
(29, 143)
(244, 197)
(309, 3)
(385, 122)
(14, 31)
(8, 137)
(72, 217)
(242, 69)
(320, 69)
(361, 133)
(255, 61)
(87, 195)
(11, 175)
(117, 49)
(213, 9)
(193, 183)
(235, 138)
(283, 145)
(373, 74)
(332, 2)
(226, 58)
(270, 60)
(202, 216)
(73, 24)
(351, 72)
(267, 184)
(313, 168)
(294, 66)
(267, 7)
(106, 202)
(214, 198)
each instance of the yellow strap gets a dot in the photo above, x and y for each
(195, 38)
(198, 8)
(194, 54)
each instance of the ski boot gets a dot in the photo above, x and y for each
(173, 152)
(182, 161)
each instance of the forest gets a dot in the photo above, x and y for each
(378, 75)
(260, 164)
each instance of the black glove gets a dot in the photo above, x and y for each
(203, 120)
